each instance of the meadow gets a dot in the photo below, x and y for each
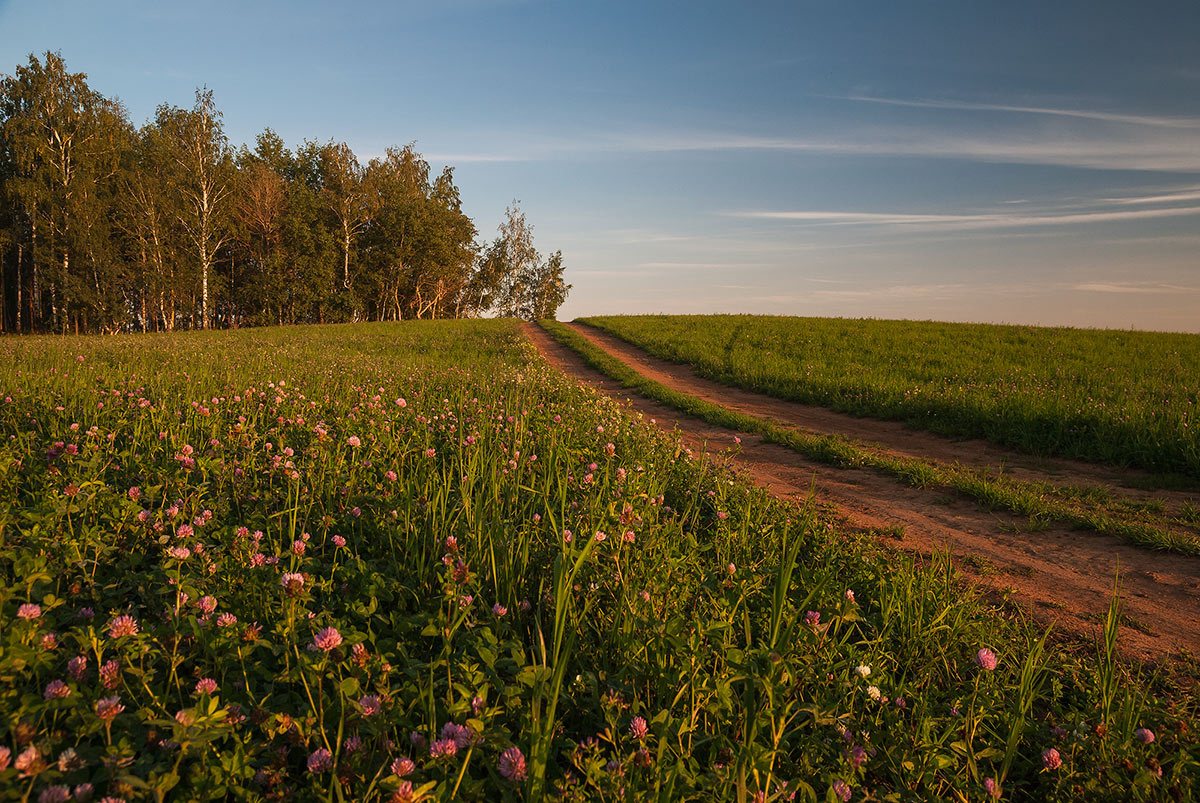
(1119, 397)
(410, 561)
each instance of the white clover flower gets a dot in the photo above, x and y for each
(873, 692)
(863, 670)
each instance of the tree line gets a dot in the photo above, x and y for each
(108, 227)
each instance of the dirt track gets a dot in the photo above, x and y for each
(1056, 575)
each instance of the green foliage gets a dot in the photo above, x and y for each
(104, 228)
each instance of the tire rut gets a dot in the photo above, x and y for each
(1056, 575)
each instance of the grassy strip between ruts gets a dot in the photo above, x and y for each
(1015, 496)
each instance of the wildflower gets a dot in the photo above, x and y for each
(298, 547)
(77, 666)
(477, 704)
(371, 704)
(638, 728)
(206, 686)
(499, 609)
(461, 573)
(1051, 759)
(339, 541)
(863, 670)
(320, 760)
(443, 747)
(108, 708)
(849, 595)
(1144, 735)
(110, 674)
(400, 402)
(355, 442)
(600, 536)
(460, 734)
(226, 620)
(418, 740)
(207, 604)
(55, 794)
(812, 618)
(841, 789)
(992, 788)
(83, 792)
(29, 762)
(124, 625)
(50, 641)
(405, 793)
(512, 765)
(184, 531)
(352, 744)
(185, 717)
(986, 659)
(857, 756)
(5, 758)
(30, 611)
(56, 690)
(327, 640)
(69, 760)
(873, 692)
(292, 582)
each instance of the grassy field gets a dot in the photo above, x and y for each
(410, 561)
(1092, 508)
(1124, 398)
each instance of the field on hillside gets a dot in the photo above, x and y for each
(1125, 398)
(409, 561)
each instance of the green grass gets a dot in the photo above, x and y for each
(429, 495)
(1118, 397)
(1039, 502)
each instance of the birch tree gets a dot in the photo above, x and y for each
(202, 183)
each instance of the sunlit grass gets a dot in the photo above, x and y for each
(410, 561)
(1120, 397)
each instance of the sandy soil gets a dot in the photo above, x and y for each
(1056, 575)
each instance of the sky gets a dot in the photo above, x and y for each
(1017, 162)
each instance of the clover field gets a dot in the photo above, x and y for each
(411, 562)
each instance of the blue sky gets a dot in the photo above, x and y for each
(1010, 162)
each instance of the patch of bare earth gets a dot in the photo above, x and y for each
(1056, 575)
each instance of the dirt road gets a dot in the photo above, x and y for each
(1057, 575)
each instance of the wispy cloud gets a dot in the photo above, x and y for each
(1174, 195)
(1156, 121)
(472, 158)
(1088, 146)
(1134, 287)
(699, 265)
(989, 220)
